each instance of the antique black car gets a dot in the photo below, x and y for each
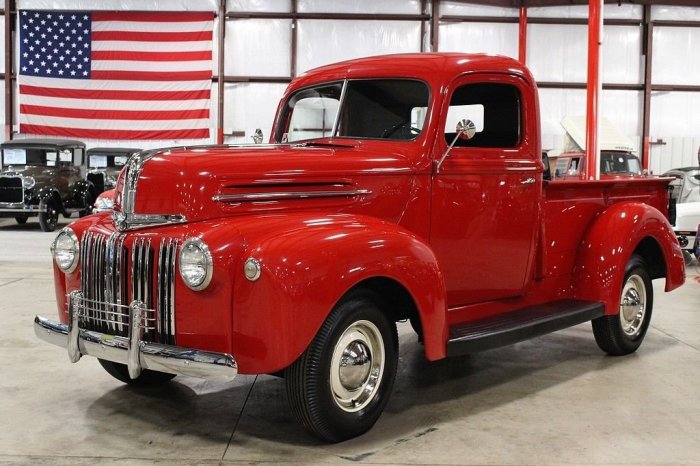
(104, 165)
(44, 178)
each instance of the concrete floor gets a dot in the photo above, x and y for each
(553, 400)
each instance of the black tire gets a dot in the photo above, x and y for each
(147, 377)
(336, 405)
(48, 219)
(21, 219)
(88, 201)
(622, 333)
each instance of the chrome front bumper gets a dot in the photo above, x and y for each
(133, 351)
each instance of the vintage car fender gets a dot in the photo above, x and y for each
(81, 188)
(49, 194)
(620, 231)
(306, 271)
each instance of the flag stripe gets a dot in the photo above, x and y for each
(159, 103)
(40, 81)
(101, 114)
(151, 36)
(116, 124)
(90, 132)
(176, 68)
(152, 46)
(155, 26)
(151, 56)
(97, 94)
(160, 16)
(154, 76)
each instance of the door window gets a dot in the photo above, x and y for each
(494, 108)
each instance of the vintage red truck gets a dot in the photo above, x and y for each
(405, 187)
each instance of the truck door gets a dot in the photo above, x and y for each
(487, 192)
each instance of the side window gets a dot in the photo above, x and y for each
(494, 109)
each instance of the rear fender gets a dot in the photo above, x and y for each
(307, 270)
(614, 236)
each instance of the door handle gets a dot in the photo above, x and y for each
(529, 180)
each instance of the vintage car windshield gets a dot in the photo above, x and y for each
(101, 161)
(35, 157)
(392, 109)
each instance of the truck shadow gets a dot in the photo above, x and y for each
(253, 411)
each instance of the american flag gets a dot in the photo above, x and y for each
(115, 75)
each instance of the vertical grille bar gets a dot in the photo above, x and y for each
(166, 291)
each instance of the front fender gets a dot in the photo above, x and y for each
(611, 240)
(307, 268)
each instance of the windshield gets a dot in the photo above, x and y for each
(107, 160)
(369, 108)
(611, 162)
(36, 157)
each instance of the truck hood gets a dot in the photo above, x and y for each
(214, 181)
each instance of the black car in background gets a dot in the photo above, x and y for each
(104, 165)
(44, 178)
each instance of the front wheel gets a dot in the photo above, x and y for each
(622, 333)
(49, 218)
(147, 378)
(340, 385)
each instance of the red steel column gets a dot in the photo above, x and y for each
(593, 89)
(522, 35)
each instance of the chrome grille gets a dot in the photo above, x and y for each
(116, 273)
(11, 189)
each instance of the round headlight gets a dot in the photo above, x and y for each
(64, 250)
(28, 182)
(196, 266)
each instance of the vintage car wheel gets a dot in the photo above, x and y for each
(622, 333)
(21, 219)
(147, 377)
(88, 202)
(340, 385)
(49, 219)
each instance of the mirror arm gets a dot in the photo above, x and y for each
(447, 151)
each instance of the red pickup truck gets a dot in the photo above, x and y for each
(406, 187)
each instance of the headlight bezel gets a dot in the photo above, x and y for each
(70, 234)
(28, 182)
(208, 263)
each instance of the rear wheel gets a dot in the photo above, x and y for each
(49, 219)
(340, 385)
(622, 333)
(147, 377)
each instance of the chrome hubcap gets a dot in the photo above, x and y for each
(633, 305)
(357, 366)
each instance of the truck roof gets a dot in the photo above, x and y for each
(434, 68)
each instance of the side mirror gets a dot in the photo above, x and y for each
(257, 136)
(466, 129)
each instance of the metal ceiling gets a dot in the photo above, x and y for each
(532, 3)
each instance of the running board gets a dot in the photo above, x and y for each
(523, 324)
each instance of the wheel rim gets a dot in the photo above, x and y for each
(357, 366)
(633, 305)
(52, 216)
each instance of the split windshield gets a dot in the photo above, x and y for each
(36, 157)
(392, 109)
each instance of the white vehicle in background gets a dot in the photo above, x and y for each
(686, 194)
